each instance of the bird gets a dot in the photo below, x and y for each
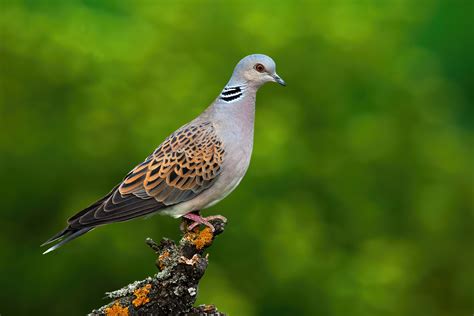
(192, 169)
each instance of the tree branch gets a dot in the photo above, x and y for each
(173, 290)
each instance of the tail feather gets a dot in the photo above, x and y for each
(62, 234)
(64, 237)
(110, 209)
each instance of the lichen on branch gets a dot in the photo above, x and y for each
(173, 290)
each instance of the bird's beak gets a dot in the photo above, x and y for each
(278, 79)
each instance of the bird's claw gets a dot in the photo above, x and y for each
(197, 220)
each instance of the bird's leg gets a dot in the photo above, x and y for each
(197, 219)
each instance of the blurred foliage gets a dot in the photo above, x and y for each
(359, 199)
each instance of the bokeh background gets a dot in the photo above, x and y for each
(359, 199)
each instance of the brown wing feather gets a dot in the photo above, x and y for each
(184, 165)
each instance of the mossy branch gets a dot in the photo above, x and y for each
(173, 290)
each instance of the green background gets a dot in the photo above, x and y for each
(359, 199)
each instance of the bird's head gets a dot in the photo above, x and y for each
(256, 70)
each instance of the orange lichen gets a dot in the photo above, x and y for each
(200, 239)
(141, 295)
(162, 258)
(116, 310)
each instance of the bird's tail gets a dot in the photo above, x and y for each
(64, 237)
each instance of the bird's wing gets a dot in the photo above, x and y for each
(185, 164)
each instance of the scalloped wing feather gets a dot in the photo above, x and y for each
(184, 165)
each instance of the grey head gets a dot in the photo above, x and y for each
(254, 71)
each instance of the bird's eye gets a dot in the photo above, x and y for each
(259, 67)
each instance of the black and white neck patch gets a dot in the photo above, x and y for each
(231, 94)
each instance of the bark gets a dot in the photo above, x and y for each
(173, 290)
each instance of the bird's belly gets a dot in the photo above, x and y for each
(226, 192)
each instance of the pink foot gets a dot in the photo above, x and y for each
(198, 220)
